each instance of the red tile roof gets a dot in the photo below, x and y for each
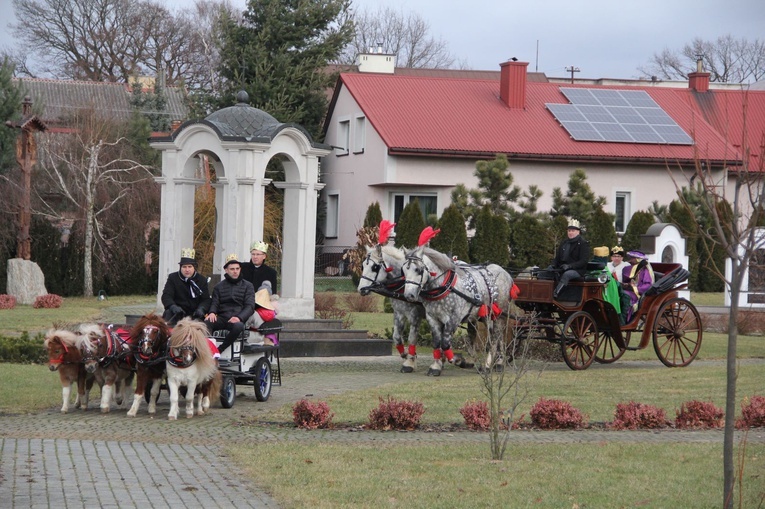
(446, 116)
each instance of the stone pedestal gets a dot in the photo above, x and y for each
(290, 307)
(26, 281)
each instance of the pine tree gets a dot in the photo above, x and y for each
(490, 242)
(279, 53)
(579, 201)
(495, 183)
(10, 110)
(374, 215)
(453, 237)
(529, 243)
(600, 230)
(681, 217)
(410, 225)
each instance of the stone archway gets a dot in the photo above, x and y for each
(241, 140)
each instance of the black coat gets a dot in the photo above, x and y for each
(573, 252)
(178, 293)
(233, 298)
(256, 275)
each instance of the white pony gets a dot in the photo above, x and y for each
(190, 363)
(104, 358)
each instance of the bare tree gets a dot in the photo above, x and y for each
(90, 172)
(727, 59)
(405, 35)
(114, 40)
(737, 218)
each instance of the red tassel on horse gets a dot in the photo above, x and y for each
(495, 311)
(515, 292)
(385, 229)
(483, 311)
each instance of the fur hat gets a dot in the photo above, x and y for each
(232, 258)
(188, 257)
(637, 254)
(259, 245)
(263, 299)
(618, 250)
(601, 251)
(573, 224)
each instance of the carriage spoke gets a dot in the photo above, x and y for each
(677, 333)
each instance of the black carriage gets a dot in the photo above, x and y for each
(588, 328)
(249, 363)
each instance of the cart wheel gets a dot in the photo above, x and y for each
(262, 379)
(608, 351)
(228, 392)
(579, 342)
(677, 333)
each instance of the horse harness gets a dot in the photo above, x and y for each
(178, 361)
(156, 357)
(449, 283)
(392, 287)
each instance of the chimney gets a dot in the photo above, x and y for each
(512, 83)
(699, 80)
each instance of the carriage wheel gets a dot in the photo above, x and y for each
(262, 379)
(580, 340)
(608, 351)
(677, 333)
(228, 392)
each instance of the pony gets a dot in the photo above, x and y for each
(381, 273)
(65, 357)
(148, 338)
(453, 293)
(190, 363)
(103, 356)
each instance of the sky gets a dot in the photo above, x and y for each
(603, 39)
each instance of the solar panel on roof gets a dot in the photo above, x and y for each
(616, 115)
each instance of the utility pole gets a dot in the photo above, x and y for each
(572, 70)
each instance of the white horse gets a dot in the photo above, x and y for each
(381, 273)
(453, 293)
(191, 364)
(104, 358)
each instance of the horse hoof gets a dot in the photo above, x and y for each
(172, 418)
(104, 410)
(407, 369)
(434, 372)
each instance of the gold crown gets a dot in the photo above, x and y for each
(188, 253)
(231, 258)
(574, 223)
(259, 245)
(617, 249)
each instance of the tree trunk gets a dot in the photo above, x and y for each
(730, 387)
(90, 196)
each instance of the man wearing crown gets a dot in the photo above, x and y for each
(233, 303)
(572, 256)
(185, 293)
(256, 271)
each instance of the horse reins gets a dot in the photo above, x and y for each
(178, 360)
(447, 286)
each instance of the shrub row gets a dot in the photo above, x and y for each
(49, 300)
(392, 414)
(23, 349)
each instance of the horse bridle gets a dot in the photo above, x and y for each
(376, 267)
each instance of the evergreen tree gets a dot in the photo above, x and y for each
(495, 183)
(600, 230)
(410, 225)
(453, 237)
(374, 215)
(680, 216)
(579, 201)
(151, 105)
(490, 242)
(279, 53)
(530, 244)
(10, 110)
(638, 225)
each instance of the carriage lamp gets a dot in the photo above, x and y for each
(102, 295)
(603, 278)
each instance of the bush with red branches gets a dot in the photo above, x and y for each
(396, 415)
(699, 415)
(309, 415)
(752, 413)
(555, 414)
(7, 301)
(476, 415)
(48, 301)
(634, 415)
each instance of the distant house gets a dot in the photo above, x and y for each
(58, 99)
(403, 135)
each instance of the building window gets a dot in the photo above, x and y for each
(359, 135)
(343, 137)
(622, 211)
(333, 216)
(428, 204)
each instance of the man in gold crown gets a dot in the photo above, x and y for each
(185, 293)
(233, 303)
(256, 271)
(572, 256)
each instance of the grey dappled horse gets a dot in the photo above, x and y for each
(454, 293)
(381, 273)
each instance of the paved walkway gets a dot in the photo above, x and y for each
(89, 459)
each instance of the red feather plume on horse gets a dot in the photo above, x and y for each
(385, 228)
(426, 235)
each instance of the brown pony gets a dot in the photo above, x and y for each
(190, 363)
(148, 338)
(105, 358)
(64, 356)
